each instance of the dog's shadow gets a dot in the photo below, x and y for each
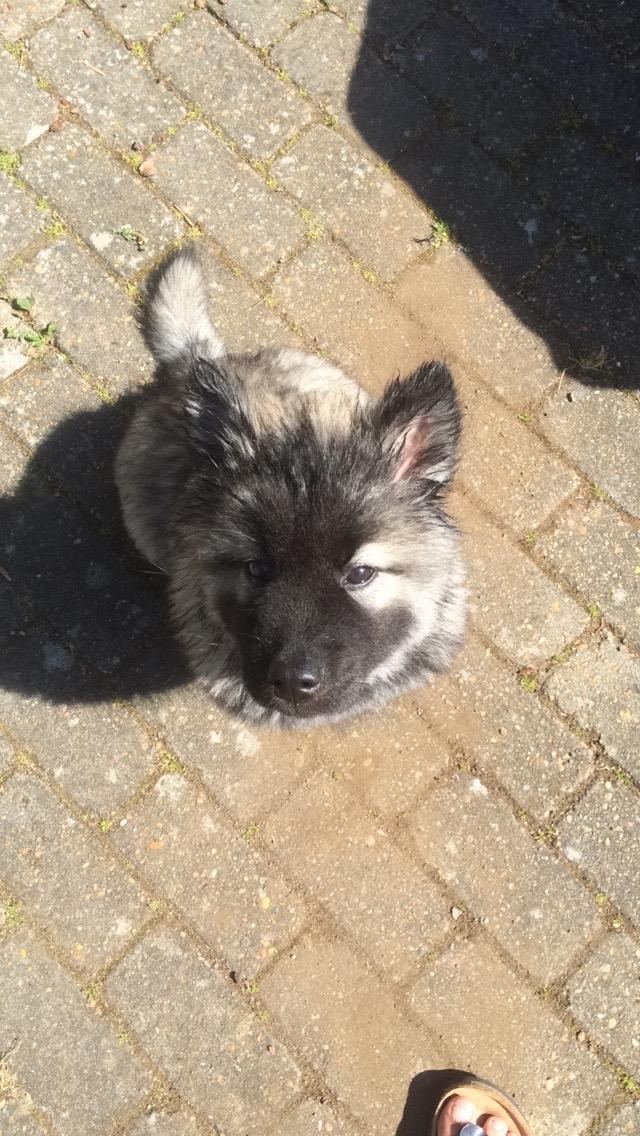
(82, 618)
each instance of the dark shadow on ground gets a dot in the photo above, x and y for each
(82, 618)
(518, 124)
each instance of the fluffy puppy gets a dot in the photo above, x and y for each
(313, 571)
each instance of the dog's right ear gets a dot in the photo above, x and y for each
(214, 417)
(419, 423)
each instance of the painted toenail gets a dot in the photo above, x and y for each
(462, 1111)
(472, 1130)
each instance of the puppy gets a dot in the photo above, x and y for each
(313, 572)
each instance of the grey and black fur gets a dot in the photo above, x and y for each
(313, 571)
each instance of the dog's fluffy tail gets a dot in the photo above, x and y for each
(175, 321)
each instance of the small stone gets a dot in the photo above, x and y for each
(456, 912)
(147, 168)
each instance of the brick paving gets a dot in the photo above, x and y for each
(210, 930)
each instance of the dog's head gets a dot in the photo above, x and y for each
(323, 559)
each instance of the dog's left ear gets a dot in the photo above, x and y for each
(419, 421)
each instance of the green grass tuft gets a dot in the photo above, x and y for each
(9, 162)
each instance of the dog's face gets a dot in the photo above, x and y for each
(319, 564)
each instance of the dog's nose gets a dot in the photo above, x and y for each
(295, 682)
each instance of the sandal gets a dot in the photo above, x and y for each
(489, 1101)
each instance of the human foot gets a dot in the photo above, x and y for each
(459, 1110)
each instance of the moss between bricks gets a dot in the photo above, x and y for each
(9, 162)
(440, 233)
(169, 763)
(12, 915)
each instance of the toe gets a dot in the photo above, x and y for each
(496, 1127)
(457, 1111)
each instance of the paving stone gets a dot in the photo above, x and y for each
(16, 1121)
(13, 616)
(597, 333)
(351, 192)
(13, 354)
(471, 1000)
(482, 709)
(576, 177)
(600, 685)
(348, 1026)
(385, 21)
(56, 558)
(138, 20)
(626, 1123)
(27, 111)
(57, 1047)
(248, 770)
(508, 22)
(20, 222)
(19, 17)
(94, 321)
(94, 607)
(389, 759)
(348, 317)
(11, 466)
(509, 469)
(512, 601)
(619, 22)
(177, 839)
(314, 1117)
(50, 407)
(598, 429)
(64, 877)
(498, 223)
(249, 102)
(244, 320)
(258, 226)
(97, 753)
(110, 88)
(603, 997)
(165, 1124)
(346, 860)
(72, 170)
(194, 1025)
(7, 754)
(453, 299)
(601, 836)
(541, 916)
(574, 64)
(599, 554)
(327, 58)
(258, 22)
(451, 62)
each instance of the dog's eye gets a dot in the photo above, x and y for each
(257, 570)
(359, 575)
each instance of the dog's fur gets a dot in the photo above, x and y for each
(278, 461)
